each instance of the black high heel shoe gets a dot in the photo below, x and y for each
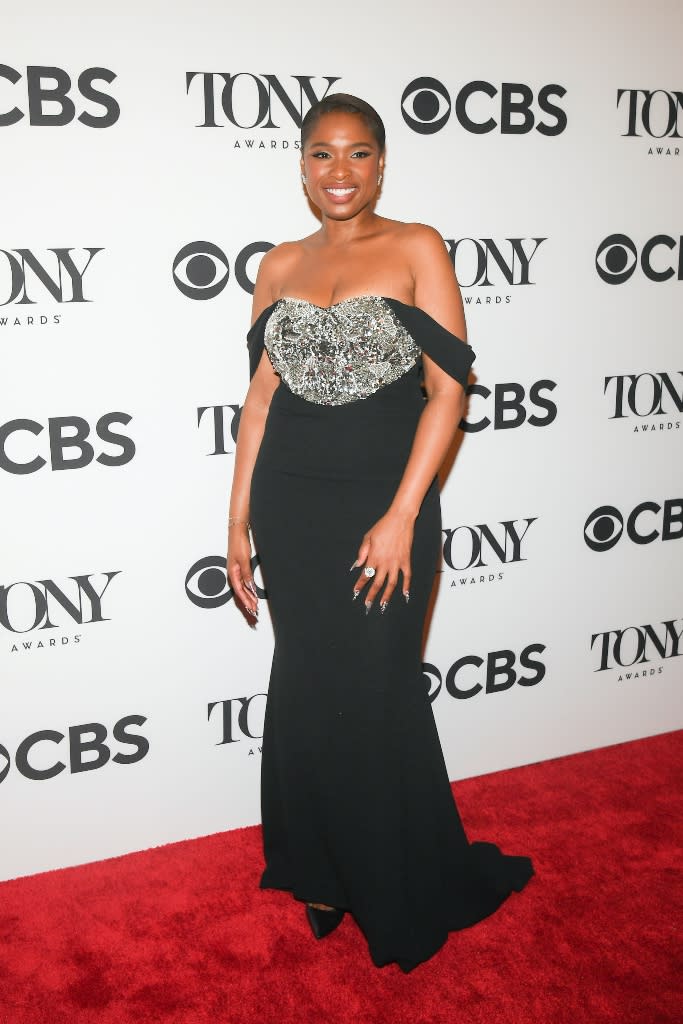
(323, 922)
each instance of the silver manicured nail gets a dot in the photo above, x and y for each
(368, 606)
(383, 606)
(406, 594)
(355, 593)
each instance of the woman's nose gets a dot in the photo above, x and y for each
(340, 170)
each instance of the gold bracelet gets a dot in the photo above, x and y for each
(235, 521)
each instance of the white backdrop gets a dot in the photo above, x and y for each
(131, 715)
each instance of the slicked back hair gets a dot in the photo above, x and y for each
(345, 103)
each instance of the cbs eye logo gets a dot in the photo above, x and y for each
(617, 258)
(426, 105)
(603, 528)
(431, 678)
(206, 583)
(201, 270)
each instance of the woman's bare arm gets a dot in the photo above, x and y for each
(249, 437)
(436, 292)
(387, 545)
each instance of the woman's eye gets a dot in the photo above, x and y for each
(322, 153)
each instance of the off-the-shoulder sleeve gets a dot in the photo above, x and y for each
(447, 350)
(255, 336)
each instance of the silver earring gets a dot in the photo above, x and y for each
(303, 178)
(379, 181)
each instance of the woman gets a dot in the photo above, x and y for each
(335, 468)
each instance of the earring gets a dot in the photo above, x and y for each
(379, 181)
(303, 178)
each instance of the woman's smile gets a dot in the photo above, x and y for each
(339, 193)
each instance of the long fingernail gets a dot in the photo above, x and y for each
(383, 606)
(355, 593)
(368, 606)
(250, 586)
(354, 565)
(406, 594)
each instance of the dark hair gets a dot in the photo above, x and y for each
(345, 103)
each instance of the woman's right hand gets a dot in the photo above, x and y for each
(240, 576)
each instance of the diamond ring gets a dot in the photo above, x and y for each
(369, 571)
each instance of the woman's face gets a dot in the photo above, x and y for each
(341, 161)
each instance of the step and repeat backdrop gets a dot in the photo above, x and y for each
(149, 159)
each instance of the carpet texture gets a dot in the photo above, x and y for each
(182, 934)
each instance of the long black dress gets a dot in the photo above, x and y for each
(357, 808)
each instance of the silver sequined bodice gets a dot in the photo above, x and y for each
(338, 354)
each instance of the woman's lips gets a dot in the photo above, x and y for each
(341, 193)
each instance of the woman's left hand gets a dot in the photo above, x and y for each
(386, 548)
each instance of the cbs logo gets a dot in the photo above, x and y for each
(512, 406)
(64, 432)
(50, 86)
(501, 670)
(605, 525)
(201, 270)
(36, 762)
(427, 107)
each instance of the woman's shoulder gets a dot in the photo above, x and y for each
(280, 256)
(415, 233)
(281, 260)
(276, 263)
(421, 248)
(417, 245)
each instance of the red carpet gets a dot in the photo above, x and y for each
(182, 933)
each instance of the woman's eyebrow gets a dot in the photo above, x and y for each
(368, 144)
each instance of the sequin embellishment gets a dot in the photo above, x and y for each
(336, 355)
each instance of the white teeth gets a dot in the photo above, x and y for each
(340, 191)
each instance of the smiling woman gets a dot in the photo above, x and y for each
(325, 159)
(358, 362)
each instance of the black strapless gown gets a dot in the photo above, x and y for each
(357, 808)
